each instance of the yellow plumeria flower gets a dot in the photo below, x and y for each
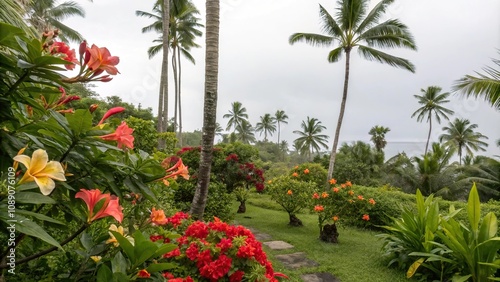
(40, 170)
(120, 230)
(96, 259)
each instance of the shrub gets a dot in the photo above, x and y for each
(292, 195)
(310, 172)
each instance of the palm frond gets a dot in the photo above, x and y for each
(67, 9)
(67, 33)
(329, 25)
(375, 55)
(311, 38)
(335, 55)
(389, 34)
(374, 15)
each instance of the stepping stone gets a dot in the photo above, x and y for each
(319, 277)
(278, 245)
(296, 260)
(263, 237)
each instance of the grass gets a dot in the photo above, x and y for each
(356, 258)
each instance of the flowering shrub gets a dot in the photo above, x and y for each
(215, 251)
(292, 195)
(339, 202)
(310, 172)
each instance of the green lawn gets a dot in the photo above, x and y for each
(356, 258)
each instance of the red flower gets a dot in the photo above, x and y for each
(155, 238)
(174, 253)
(237, 276)
(315, 196)
(177, 218)
(67, 54)
(100, 59)
(366, 217)
(306, 171)
(224, 244)
(143, 273)
(319, 208)
(168, 275)
(122, 135)
(110, 112)
(181, 170)
(192, 251)
(360, 197)
(110, 206)
(295, 174)
(198, 230)
(335, 190)
(333, 181)
(371, 201)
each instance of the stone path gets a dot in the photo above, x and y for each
(293, 260)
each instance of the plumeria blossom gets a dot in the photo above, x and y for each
(110, 205)
(179, 169)
(100, 59)
(40, 170)
(122, 135)
(112, 238)
(67, 54)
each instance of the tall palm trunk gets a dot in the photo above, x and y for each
(279, 130)
(163, 99)
(341, 117)
(210, 107)
(179, 91)
(429, 134)
(176, 86)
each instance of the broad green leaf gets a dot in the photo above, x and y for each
(33, 198)
(120, 277)
(7, 32)
(457, 278)
(49, 60)
(61, 121)
(28, 227)
(80, 121)
(165, 248)
(156, 267)
(488, 228)
(104, 274)
(86, 241)
(39, 216)
(144, 251)
(24, 65)
(126, 246)
(474, 209)
(119, 263)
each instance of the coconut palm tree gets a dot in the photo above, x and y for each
(354, 26)
(431, 102)
(283, 146)
(48, 14)
(310, 139)
(280, 117)
(236, 115)
(210, 107)
(485, 172)
(266, 125)
(461, 135)
(486, 86)
(245, 132)
(13, 11)
(378, 136)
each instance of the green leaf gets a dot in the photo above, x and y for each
(39, 216)
(125, 245)
(157, 267)
(474, 209)
(104, 274)
(165, 248)
(488, 228)
(144, 251)
(120, 277)
(33, 198)
(457, 278)
(414, 267)
(24, 65)
(86, 241)
(28, 227)
(49, 60)
(80, 121)
(119, 263)
(7, 32)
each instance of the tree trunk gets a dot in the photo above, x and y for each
(242, 208)
(209, 109)
(176, 86)
(279, 131)
(428, 135)
(341, 117)
(164, 72)
(294, 220)
(329, 234)
(179, 91)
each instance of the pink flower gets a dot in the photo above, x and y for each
(110, 206)
(122, 135)
(110, 112)
(100, 59)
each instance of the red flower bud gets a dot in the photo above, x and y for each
(110, 112)
(105, 78)
(93, 107)
(83, 47)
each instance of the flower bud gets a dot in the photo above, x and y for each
(105, 78)
(83, 47)
(93, 107)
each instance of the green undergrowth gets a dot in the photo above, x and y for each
(356, 258)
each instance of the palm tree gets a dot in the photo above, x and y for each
(431, 102)
(352, 26)
(45, 15)
(486, 174)
(378, 136)
(236, 115)
(460, 134)
(280, 117)
(283, 146)
(486, 85)
(310, 139)
(266, 125)
(12, 12)
(210, 107)
(245, 132)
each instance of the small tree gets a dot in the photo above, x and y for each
(292, 195)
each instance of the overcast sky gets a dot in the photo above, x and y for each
(262, 71)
